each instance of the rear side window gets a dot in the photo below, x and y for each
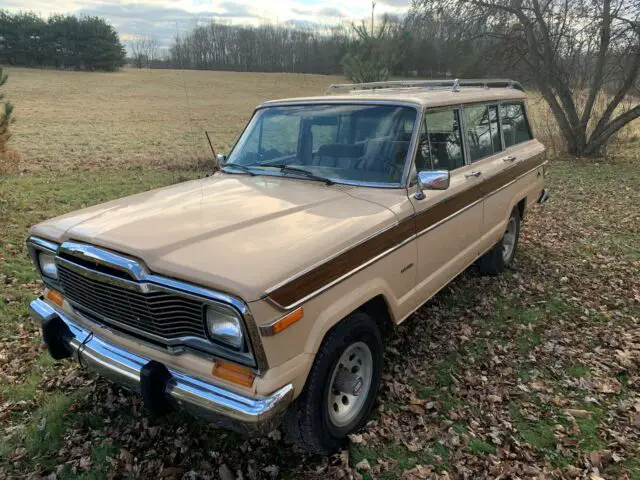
(483, 133)
(515, 126)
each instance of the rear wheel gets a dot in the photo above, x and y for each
(341, 387)
(503, 252)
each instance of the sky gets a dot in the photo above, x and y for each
(162, 19)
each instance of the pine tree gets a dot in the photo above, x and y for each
(6, 115)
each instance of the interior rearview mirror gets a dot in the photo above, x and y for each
(432, 180)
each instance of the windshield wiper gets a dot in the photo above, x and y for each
(284, 168)
(244, 168)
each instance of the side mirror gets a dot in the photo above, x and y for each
(221, 158)
(432, 180)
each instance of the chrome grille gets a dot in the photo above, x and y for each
(164, 314)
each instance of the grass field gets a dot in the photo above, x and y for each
(133, 117)
(533, 373)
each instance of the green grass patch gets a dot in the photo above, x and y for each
(577, 371)
(434, 454)
(478, 446)
(23, 391)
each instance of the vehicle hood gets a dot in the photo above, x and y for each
(235, 233)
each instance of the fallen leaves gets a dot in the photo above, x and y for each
(531, 374)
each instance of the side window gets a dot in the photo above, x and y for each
(441, 144)
(515, 127)
(483, 136)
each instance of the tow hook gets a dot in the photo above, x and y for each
(544, 196)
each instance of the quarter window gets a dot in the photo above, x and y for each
(483, 134)
(440, 142)
(515, 127)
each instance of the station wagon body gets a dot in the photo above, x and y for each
(262, 292)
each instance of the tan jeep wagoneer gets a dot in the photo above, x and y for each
(260, 293)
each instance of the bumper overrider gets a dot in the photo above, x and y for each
(162, 389)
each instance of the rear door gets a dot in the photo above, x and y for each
(505, 170)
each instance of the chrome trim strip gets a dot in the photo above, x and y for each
(515, 179)
(325, 260)
(192, 393)
(345, 276)
(43, 244)
(450, 217)
(378, 257)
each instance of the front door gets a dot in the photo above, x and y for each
(448, 222)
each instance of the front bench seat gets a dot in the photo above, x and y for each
(339, 155)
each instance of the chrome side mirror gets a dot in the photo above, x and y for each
(221, 158)
(432, 180)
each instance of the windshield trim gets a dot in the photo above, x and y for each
(404, 178)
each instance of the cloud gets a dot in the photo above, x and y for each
(330, 12)
(163, 19)
(397, 3)
(163, 23)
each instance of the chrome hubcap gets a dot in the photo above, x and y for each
(509, 239)
(350, 384)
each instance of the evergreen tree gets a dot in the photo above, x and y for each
(369, 59)
(87, 43)
(6, 115)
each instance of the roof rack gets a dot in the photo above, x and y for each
(454, 84)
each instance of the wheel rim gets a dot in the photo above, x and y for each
(509, 239)
(350, 384)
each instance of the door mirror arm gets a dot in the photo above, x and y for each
(431, 180)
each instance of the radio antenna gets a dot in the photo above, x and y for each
(211, 145)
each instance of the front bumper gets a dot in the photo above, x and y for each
(64, 337)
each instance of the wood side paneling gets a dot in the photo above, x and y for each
(332, 270)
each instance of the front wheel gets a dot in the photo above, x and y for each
(503, 252)
(341, 388)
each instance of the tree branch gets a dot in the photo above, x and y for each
(595, 143)
(605, 38)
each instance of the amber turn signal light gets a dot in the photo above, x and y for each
(282, 323)
(55, 296)
(233, 373)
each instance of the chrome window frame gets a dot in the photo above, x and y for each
(419, 109)
(146, 281)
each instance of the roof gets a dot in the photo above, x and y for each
(424, 93)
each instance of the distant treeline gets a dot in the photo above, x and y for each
(87, 43)
(415, 45)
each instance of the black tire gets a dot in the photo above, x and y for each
(494, 261)
(307, 421)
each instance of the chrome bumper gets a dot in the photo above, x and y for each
(221, 406)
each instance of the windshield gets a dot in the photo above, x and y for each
(348, 143)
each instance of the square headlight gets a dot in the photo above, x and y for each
(224, 325)
(47, 264)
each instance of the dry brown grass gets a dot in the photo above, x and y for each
(92, 120)
(80, 120)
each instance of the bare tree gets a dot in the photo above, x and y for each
(144, 50)
(576, 51)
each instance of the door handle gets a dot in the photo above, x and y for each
(509, 158)
(473, 174)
